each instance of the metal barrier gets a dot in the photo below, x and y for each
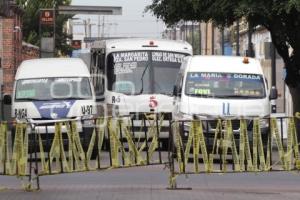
(34, 150)
(197, 146)
(238, 145)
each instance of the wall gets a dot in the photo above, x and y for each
(29, 51)
(12, 49)
(12, 52)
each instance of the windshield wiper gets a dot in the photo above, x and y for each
(201, 95)
(71, 98)
(31, 99)
(235, 97)
(142, 78)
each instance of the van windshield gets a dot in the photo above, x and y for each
(53, 89)
(143, 72)
(225, 85)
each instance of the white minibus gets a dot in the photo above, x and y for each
(52, 90)
(211, 87)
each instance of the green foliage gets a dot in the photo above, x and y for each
(280, 17)
(31, 22)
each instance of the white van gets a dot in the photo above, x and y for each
(51, 90)
(210, 87)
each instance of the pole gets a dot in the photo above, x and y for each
(85, 30)
(250, 49)
(223, 41)
(193, 36)
(212, 39)
(206, 42)
(273, 66)
(200, 39)
(103, 26)
(98, 26)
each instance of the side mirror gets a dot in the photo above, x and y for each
(7, 99)
(273, 93)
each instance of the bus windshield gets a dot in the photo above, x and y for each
(225, 85)
(53, 88)
(143, 72)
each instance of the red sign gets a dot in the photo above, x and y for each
(76, 44)
(47, 17)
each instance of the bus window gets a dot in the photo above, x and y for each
(129, 70)
(148, 72)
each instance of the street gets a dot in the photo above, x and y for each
(153, 99)
(151, 182)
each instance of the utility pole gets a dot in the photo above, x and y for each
(193, 36)
(223, 40)
(250, 47)
(212, 39)
(206, 33)
(98, 26)
(103, 26)
(200, 39)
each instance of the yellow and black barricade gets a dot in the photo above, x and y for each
(245, 144)
(219, 145)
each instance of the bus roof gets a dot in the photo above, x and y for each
(227, 64)
(52, 67)
(143, 44)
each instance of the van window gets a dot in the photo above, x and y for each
(53, 88)
(225, 85)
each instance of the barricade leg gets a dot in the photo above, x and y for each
(33, 150)
(172, 177)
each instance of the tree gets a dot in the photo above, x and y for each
(280, 17)
(31, 22)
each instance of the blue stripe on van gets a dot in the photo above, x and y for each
(54, 109)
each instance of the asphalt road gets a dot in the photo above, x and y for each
(151, 183)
